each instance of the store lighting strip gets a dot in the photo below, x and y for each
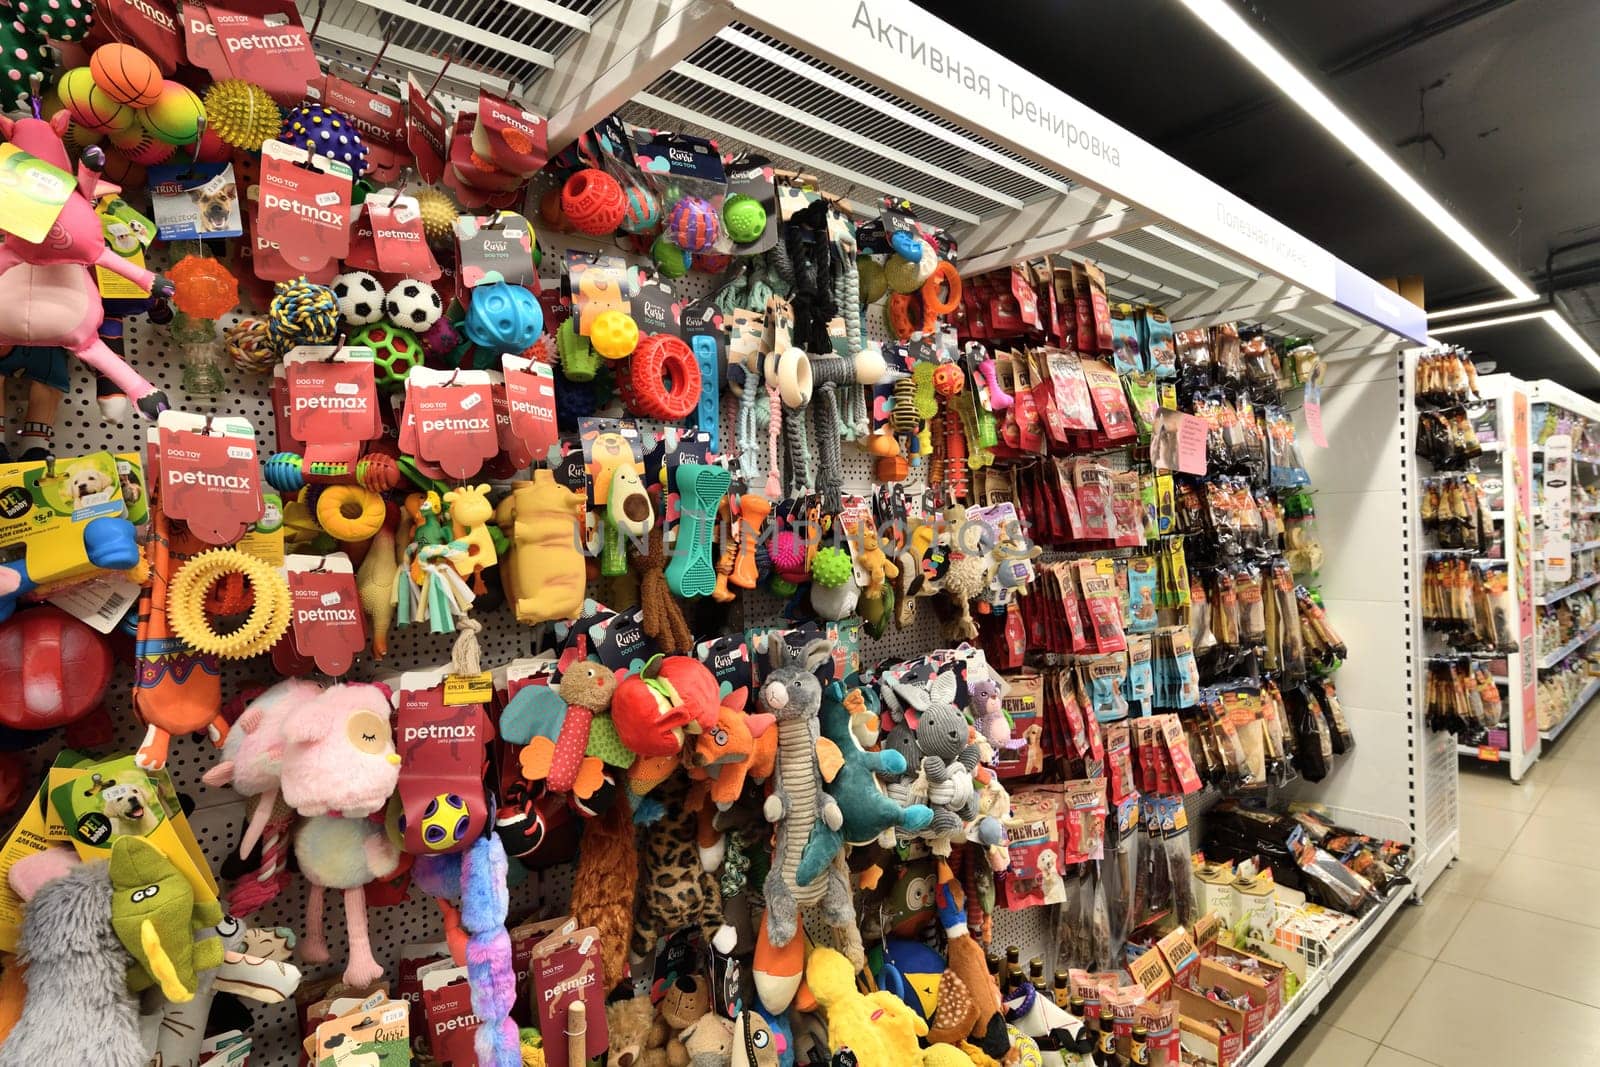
(1552, 318)
(1473, 309)
(1243, 38)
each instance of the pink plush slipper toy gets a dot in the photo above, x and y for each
(48, 294)
(339, 766)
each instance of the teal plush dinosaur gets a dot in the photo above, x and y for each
(869, 813)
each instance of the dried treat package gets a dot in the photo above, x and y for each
(1194, 358)
(1127, 348)
(1252, 609)
(1227, 360)
(1161, 355)
(1286, 469)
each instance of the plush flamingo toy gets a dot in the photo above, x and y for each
(48, 294)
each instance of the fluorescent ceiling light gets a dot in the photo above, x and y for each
(1552, 318)
(1473, 309)
(1479, 324)
(1226, 22)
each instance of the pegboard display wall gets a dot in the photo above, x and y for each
(220, 814)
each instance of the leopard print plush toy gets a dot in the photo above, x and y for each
(675, 891)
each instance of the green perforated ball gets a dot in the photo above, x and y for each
(744, 218)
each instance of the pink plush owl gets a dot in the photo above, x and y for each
(338, 755)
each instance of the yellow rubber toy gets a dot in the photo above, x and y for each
(269, 614)
(349, 512)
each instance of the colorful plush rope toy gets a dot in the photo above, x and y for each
(302, 313)
(248, 344)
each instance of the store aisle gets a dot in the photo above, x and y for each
(1498, 966)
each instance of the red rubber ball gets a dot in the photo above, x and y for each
(593, 202)
(54, 669)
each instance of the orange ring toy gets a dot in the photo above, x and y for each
(900, 316)
(945, 272)
(664, 381)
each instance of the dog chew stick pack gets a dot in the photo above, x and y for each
(442, 752)
(566, 971)
(692, 571)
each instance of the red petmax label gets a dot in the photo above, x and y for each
(566, 969)
(149, 25)
(263, 42)
(280, 416)
(447, 1007)
(327, 621)
(200, 39)
(305, 209)
(530, 392)
(333, 396)
(516, 138)
(454, 423)
(399, 243)
(211, 483)
(425, 132)
(442, 754)
(380, 118)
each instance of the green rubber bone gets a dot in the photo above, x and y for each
(693, 571)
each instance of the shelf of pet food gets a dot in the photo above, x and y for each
(1554, 659)
(1565, 591)
(1574, 709)
(1321, 982)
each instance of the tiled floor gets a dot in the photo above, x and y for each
(1512, 930)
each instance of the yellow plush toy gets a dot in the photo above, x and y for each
(879, 1027)
(945, 1056)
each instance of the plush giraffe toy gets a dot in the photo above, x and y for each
(48, 294)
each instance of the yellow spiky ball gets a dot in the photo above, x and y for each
(241, 114)
(439, 214)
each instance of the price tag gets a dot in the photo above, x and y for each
(462, 689)
(1489, 754)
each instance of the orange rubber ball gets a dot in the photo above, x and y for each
(205, 288)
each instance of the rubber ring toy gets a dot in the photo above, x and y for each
(350, 513)
(900, 317)
(744, 217)
(269, 614)
(593, 202)
(944, 273)
(664, 380)
(670, 260)
(503, 318)
(694, 224)
(614, 334)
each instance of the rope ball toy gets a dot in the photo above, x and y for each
(269, 613)
(302, 313)
(248, 343)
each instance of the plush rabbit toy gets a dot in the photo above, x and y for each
(48, 294)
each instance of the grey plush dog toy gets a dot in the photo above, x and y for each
(78, 1008)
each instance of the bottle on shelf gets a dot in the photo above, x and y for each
(1105, 1052)
(1036, 972)
(1139, 1047)
(1061, 993)
(1011, 972)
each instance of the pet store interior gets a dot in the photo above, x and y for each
(721, 533)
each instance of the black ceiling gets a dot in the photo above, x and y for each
(1496, 97)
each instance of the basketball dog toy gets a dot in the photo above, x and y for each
(176, 116)
(593, 202)
(90, 105)
(127, 74)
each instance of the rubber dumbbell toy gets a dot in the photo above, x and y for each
(692, 571)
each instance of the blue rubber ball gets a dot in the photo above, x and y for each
(503, 318)
(907, 245)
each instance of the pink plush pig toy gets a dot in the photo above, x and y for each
(48, 294)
